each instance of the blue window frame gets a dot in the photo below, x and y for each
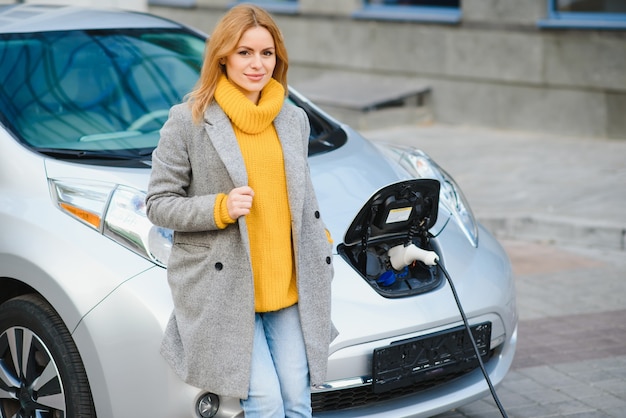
(436, 11)
(173, 3)
(586, 14)
(274, 6)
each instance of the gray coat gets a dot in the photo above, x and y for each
(208, 340)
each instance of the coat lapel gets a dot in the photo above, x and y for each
(222, 136)
(288, 130)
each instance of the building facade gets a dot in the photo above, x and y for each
(555, 66)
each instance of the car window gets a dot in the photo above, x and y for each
(105, 91)
(94, 90)
(325, 135)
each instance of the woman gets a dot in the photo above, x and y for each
(251, 264)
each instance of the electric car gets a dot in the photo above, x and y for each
(83, 293)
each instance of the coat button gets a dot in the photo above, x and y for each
(328, 260)
(317, 214)
(219, 266)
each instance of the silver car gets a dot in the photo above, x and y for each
(83, 292)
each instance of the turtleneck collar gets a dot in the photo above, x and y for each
(249, 117)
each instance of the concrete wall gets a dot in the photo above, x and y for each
(495, 68)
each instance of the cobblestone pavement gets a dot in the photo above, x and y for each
(558, 206)
(571, 355)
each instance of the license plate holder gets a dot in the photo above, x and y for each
(432, 356)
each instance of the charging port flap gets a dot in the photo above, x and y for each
(395, 208)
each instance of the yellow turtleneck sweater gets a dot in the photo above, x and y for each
(269, 220)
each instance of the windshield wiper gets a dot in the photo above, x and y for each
(142, 154)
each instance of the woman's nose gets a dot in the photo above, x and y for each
(256, 61)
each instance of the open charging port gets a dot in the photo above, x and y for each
(389, 235)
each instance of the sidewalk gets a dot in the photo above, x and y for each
(571, 354)
(531, 186)
(558, 206)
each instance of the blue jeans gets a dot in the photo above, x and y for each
(279, 381)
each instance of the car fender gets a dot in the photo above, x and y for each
(119, 340)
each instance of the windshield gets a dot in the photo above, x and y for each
(100, 90)
(104, 93)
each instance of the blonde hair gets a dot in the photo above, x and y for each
(223, 42)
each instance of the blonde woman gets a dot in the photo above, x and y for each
(251, 265)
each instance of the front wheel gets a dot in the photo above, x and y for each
(41, 372)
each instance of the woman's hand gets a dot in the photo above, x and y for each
(239, 201)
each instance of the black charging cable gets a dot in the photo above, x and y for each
(469, 332)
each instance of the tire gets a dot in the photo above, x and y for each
(41, 372)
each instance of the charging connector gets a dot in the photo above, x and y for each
(401, 256)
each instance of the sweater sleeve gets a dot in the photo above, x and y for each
(220, 212)
(328, 236)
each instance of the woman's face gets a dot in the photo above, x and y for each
(252, 64)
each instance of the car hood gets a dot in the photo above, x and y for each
(394, 210)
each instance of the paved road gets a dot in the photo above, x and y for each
(558, 205)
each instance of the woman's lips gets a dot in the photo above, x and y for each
(255, 77)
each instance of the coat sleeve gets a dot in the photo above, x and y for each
(168, 202)
(306, 133)
(305, 127)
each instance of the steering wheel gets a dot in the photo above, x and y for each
(148, 117)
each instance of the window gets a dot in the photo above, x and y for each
(437, 11)
(586, 14)
(100, 90)
(440, 3)
(173, 3)
(274, 6)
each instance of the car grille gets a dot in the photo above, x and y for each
(364, 395)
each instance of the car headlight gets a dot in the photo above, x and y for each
(116, 211)
(418, 164)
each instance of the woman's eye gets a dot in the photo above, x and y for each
(268, 53)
